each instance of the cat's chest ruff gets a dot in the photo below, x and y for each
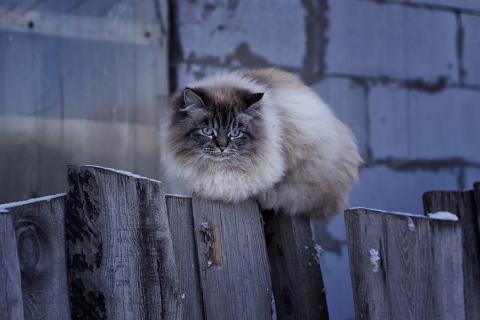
(232, 184)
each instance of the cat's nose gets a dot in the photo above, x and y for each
(221, 149)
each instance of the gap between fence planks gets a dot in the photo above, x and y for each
(119, 247)
(463, 204)
(405, 266)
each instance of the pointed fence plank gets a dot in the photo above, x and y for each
(119, 247)
(11, 306)
(233, 262)
(40, 231)
(181, 224)
(296, 274)
(462, 203)
(405, 266)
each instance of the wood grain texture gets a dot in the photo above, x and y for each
(40, 232)
(462, 204)
(11, 305)
(296, 274)
(181, 225)
(233, 262)
(119, 248)
(405, 267)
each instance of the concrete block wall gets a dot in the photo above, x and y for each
(404, 75)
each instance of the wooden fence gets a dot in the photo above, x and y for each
(122, 249)
(417, 267)
(116, 247)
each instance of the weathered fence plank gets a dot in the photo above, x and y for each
(405, 266)
(233, 261)
(119, 247)
(181, 225)
(296, 275)
(11, 306)
(462, 204)
(40, 232)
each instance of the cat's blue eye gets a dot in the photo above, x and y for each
(235, 133)
(207, 131)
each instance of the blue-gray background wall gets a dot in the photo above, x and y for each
(404, 75)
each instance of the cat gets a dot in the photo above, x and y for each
(260, 133)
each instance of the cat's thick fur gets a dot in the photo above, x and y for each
(293, 154)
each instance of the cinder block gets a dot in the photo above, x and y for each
(471, 49)
(381, 187)
(242, 33)
(410, 124)
(459, 4)
(368, 38)
(348, 100)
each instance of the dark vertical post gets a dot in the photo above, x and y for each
(476, 192)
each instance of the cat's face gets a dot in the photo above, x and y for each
(219, 125)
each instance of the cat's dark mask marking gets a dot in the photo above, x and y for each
(230, 113)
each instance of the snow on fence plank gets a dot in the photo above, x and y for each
(232, 256)
(11, 305)
(296, 275)
(119, 247)
(462, 204)
(405, 267)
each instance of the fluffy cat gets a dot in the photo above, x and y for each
(260, 133)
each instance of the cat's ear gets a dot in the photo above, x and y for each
(251, 100)
(191, 99)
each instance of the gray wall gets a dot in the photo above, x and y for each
(404, 75)
(81, 82)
